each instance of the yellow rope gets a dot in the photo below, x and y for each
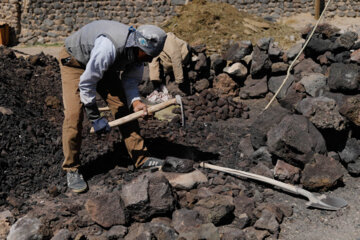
(293, 62)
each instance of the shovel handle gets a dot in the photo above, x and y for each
(254, 176)
(136, 115)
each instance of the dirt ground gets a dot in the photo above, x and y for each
(310, 224)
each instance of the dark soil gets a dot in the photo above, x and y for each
(30, 138)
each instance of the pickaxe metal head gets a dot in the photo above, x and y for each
(179, 101)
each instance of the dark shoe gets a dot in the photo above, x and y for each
(76, 182)
(152, 162)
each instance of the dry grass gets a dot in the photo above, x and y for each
(214, 24)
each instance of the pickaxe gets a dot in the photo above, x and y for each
(151, 109)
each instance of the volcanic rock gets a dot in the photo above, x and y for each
(107, 210)
(238, 50)
(318, 46)
(350, 109)
(185, 180)
(244, 204)
(293, 51)
(350, 156)
(148, 195)
(322, 174)
(215, 209)
(260, 64)
(236, 70)
(343, 57)
(356, 46)
(4, 223)
(231, 233)
(313, 83)
(63, 234)
(224, 85)
(261, 155)
(245, 146)
(275, 82)
(135, 193)
(192, 75)
(179, 165)
(294, 95)
(26, 228)
(279, 68)
(286, 172)
(351, 151)
(254, 88)
(264, 43)
(252, 233)
(218, 63)
(262, 169)
(344, 78)
(204, 192)
(322, 112)
(267, 221)
(150, 231)
(185, 219)
(264, 122)
(117, 232)
(274, 50)
(201, 63)
(325, 58)
(295, 140)
(345, 41)
(354, 167)
(201, 85)
(205, 231)
(305, 68)
(325, 29)
(274, 209)
(355, 56)
(241, 221)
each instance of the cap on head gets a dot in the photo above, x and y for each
(150, 39)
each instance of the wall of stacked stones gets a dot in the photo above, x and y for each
(46, 21)
(10, 14)
(279, 8)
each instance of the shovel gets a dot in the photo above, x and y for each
(151, 109)
(320, 202)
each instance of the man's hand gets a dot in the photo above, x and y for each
(101, 125)
(138, 106)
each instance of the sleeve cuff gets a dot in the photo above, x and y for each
(133, 100)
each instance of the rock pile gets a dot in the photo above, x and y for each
(309, 136)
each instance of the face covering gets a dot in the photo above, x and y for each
(129, 50)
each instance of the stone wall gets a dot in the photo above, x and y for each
(52, 20)
(46, 21)
(10, 14)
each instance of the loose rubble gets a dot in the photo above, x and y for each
(309, 136)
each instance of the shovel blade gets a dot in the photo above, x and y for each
(328, 203)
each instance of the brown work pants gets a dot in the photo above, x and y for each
(110, 89)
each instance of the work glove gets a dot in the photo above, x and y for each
(100, 124)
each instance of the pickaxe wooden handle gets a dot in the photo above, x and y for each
(151, 109)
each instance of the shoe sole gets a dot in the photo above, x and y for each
(79, 190)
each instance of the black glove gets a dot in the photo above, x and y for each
(99, 123)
